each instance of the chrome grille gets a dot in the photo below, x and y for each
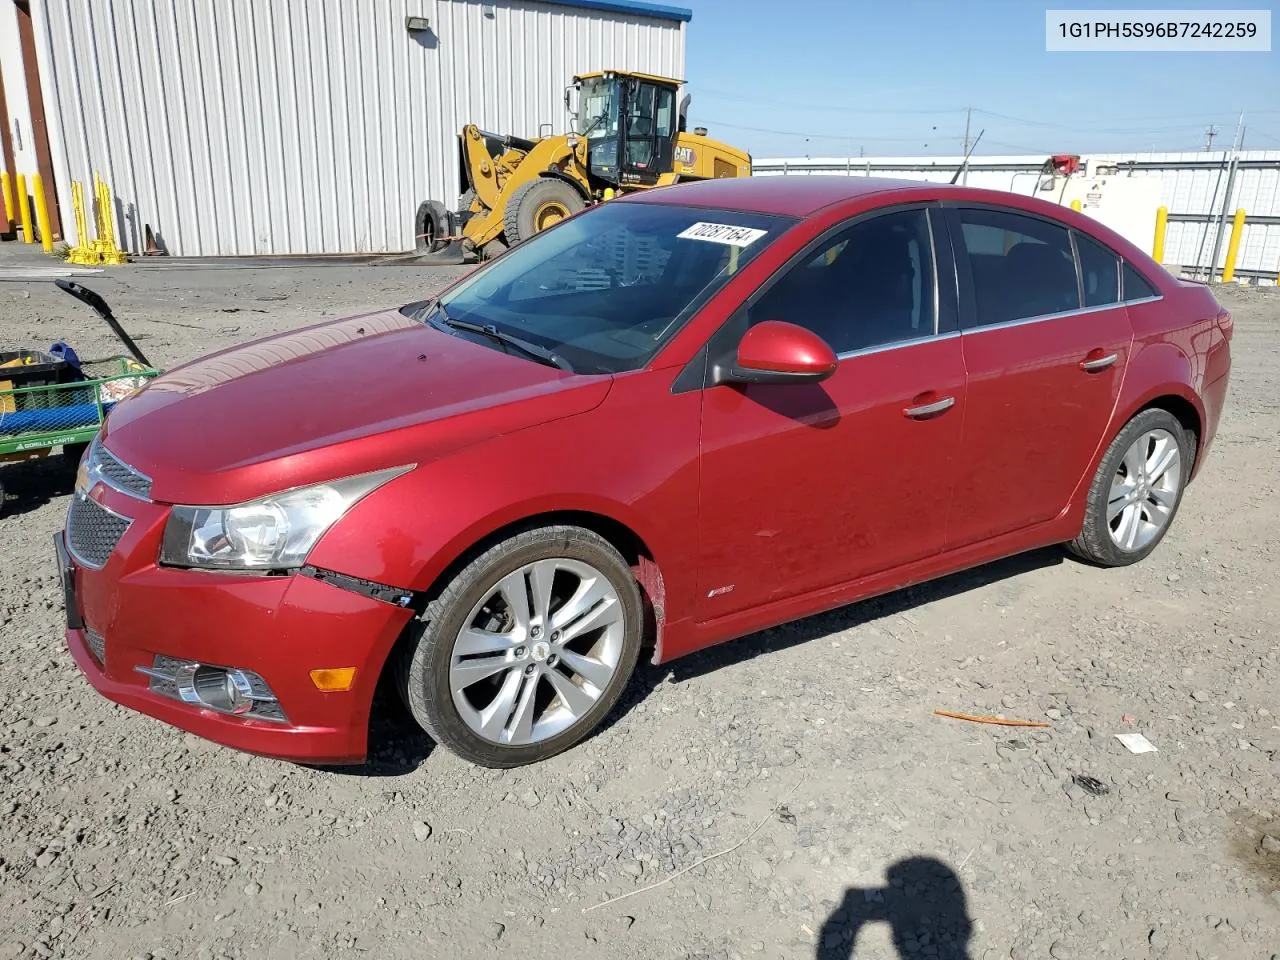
(115, 473)
(93, 531)
(97, 644)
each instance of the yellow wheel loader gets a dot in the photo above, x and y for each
(628, 134)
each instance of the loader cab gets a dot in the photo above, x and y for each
(630, 122)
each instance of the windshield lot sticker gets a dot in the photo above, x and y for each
(723, 233)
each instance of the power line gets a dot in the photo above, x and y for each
(810, 105)
(1042, 123)
(1089, 129)
(844, 137)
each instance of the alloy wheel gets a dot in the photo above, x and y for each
(1144, 490)
(537, 652)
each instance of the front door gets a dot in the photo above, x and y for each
(648, 132)
(810, 485)
(1045, 347)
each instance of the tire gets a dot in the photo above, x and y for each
(1132, 533)
(493, 249)
(72, 454)
(538, 204)
(431, 222)
(534, 720)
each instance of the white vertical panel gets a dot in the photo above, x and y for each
(281, 127)
(1191, 184)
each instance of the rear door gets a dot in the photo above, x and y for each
(1045, 341)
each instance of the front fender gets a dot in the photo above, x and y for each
(621, 461)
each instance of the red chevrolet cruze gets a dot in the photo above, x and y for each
(671, 420)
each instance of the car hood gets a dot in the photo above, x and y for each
(331, 400)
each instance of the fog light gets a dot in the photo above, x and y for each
(224, 689)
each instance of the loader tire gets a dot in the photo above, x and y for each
(537, 205)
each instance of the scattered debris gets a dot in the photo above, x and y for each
(699, 862)
(1091, 785)
(1000, 721)
(1136, 743)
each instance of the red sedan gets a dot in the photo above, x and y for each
(671, 420)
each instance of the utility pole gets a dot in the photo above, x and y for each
(964, 176)
(1226, 197)
(1208, 137)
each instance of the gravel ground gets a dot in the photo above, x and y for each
(851, 815)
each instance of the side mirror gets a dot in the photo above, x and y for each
(778, 352)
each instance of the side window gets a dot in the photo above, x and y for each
(1021, 266)
(1135, 286)
(1099, 272)
(869, 285)
(666, 125)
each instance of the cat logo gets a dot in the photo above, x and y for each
(685, 156)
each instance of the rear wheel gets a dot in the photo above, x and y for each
(527, 649)
(1137, 490)
(492, 249)
(537, 205)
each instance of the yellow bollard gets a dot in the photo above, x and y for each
(42, 213)
(77, 205)
(1233, 246)
(1162, 224)
(6, 187)
(1075, 205)
(24, 210)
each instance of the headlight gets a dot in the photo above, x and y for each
(274, 533)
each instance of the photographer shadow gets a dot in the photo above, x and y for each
(924, 904)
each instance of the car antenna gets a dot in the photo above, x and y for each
(965, 162)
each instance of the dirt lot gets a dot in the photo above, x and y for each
(853, 814)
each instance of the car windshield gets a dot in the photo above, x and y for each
(605, 289)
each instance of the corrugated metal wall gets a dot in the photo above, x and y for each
(278, 127)
(1192, 185)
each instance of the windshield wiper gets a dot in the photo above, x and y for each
(541, 354)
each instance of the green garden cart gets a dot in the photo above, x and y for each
(52, 399)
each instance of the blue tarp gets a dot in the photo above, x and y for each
(51, 419)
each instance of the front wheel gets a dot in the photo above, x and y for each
(1137, 490)
(539, 205)
(527, 649)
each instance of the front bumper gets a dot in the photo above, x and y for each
(280, 627)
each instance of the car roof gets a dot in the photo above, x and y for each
(796, 196)
(802, 196)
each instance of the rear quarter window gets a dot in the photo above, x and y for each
(1136, 286)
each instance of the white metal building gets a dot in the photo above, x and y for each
(1199, 190)
(280, 127)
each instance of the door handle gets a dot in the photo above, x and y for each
(1099, 363)
(927, 409)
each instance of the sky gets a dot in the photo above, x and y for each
(834, 78)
